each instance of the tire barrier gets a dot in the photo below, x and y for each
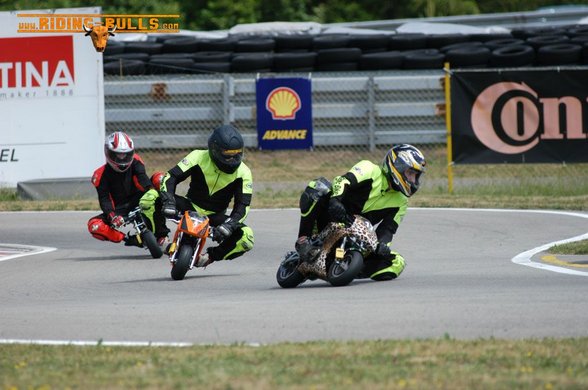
(123, 67)
(512, 56)
(381, 61)
(423, 59)
(290, 62)
(498, 43)
(180, 45)
(252, 63)
(545, 40)
(293, 43)
(348, 52)
(559, 54)
(468, 57)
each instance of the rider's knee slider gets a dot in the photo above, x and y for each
(147, 201)
(103, 232)
(315, 190)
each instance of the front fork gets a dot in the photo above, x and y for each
(139, 226)
(173, 246)
(340, 250)
(176, 244)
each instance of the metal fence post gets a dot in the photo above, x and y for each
(371, 111)
(228, 92)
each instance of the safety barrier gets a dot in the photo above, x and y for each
(359, 108)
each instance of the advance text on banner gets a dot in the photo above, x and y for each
(284, 113)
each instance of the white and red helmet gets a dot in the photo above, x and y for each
(119, 150)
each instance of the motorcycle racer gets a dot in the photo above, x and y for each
(120, 183)
(377, 192)
(217, 177)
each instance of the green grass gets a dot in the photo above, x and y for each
(572, 248)
(385, 364)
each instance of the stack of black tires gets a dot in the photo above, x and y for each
(175, 53)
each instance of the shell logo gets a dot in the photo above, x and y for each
(283, 103)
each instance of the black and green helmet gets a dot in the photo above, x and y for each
(225, 146)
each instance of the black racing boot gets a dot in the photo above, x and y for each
(132, 241)
(303, 246)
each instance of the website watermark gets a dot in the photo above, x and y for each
(73, 23)
(98, 27)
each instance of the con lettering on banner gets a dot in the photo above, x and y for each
(530, 116)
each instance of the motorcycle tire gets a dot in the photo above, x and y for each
(342, 273)
(182, 264)
(151, 243)
(288, 275)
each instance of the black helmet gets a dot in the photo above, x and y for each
(399, 160)
(225, 146)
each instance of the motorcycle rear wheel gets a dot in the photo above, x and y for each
(343, 272)
(288, 275)
(151, 243)
(182, 264)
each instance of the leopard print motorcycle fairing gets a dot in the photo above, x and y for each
(332, 233)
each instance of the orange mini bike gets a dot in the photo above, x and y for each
(189, 239)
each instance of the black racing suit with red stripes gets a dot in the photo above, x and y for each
(118, 194)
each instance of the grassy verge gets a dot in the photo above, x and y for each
(421, 364)
(572, 248)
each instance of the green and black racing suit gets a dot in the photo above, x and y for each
(210, 193)
(363, 190)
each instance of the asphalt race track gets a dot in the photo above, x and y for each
(460, 281)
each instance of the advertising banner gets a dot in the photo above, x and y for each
(51, 104)
(530, 116)
(284, 113)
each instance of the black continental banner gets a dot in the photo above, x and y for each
(519, 116)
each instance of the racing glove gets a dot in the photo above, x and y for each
(224, 230)
(337, 210)
(382, 250)
(168, 204)
(116, 220)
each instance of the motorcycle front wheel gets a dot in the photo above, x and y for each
(151, 243)
(183, 261)
(343, 272)
(288, 275)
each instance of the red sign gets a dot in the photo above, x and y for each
(36, 62)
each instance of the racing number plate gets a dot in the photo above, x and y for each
(339, 253)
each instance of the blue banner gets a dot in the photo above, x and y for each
(284, 113)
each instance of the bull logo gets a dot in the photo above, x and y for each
(99, 35)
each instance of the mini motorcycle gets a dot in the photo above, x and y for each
(144, 235)
(336, 256)
(191, 234)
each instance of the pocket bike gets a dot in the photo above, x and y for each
(144, 235)
(336, 256)
(189, 239)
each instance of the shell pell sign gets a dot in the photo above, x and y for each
(284, 113)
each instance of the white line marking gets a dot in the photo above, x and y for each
(12, 251)
(525, 257)
(83, 343)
